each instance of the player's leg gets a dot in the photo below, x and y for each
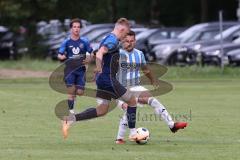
(146, 98)
(160, 109)
(103, 99)
(131, 113)
(85, 115)
(123, 124)
(71, 90)
(127, 96)
(80, 83)
(71, 99)
(89, 113)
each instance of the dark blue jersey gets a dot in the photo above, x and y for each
(75, 48)
(111, 58)
(108, 86)
(75, 51)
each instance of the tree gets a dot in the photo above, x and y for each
(204, 10)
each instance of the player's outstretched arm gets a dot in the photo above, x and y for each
(148, 73)
(99, 55)
(62, 57)
(88, 59)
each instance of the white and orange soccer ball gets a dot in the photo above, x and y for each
(143, 135)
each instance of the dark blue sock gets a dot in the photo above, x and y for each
(131, 115)
(87, 114)
(70, 104)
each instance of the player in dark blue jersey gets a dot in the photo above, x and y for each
(108, 87)
(75, 51)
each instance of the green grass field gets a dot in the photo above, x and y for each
(29, 128)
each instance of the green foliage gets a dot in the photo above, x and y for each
(168, 13)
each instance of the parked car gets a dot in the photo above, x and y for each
(147, 37)
(188, 52)
(8, 44)
(234, 57)
(173, 53)
(213, 55)
(86, 30)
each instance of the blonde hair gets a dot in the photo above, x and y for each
(122, 22)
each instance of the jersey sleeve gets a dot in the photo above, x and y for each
(62, 48)
(109, 43)
(89, 49)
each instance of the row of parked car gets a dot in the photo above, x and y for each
(199, 44)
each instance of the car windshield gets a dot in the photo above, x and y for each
(159, 35)
(145, 34)
(227, 32)
(100, 37)
(200, 36)
(50, 29)
(96, 33)
(236, 41)
(187, 34)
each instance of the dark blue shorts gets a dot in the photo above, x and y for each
(109, 87)
(76, 78)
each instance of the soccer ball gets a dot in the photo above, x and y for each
(143, 135)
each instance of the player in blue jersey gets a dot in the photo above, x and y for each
(75, 51)
(108, 87)
(131, 61)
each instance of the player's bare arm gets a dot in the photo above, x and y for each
(99, 55)
(62, 57)
(148, 73)
(88, 58)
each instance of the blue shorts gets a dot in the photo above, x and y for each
(109, 87)
(76, 78)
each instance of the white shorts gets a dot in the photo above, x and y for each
(135, 91)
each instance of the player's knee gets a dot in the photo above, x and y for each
(101, 112)
(80, 92)
(143, 100)
(132, 101)
(71, 96)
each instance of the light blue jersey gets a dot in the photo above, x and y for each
(130, 64)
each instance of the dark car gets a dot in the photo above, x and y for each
(146, 37)
(189, 53)
(234, 57)
(214, 54)
(86, 30)
(8, 46)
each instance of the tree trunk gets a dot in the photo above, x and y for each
(204, 10)
(114, 10)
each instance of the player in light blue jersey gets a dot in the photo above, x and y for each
(130, 66)
(131, 61)
(75, 51)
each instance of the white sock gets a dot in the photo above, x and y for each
(122, 126)
(72, 111)
(133, 131)
(161, 111)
